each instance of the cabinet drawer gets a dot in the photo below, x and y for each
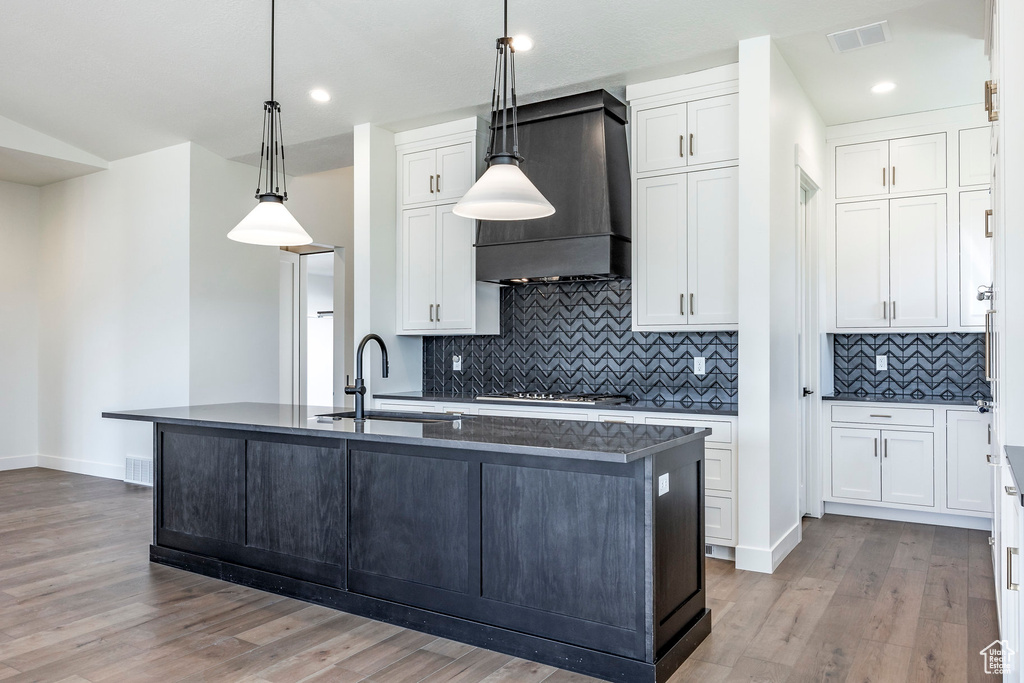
(721, 432)
(718, 519)
(906, 417)
(541, 413)
(717, 469)
(623, 419)
(409, 407)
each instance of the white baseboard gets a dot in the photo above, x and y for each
(913, 516)
(766, 560)
(18, 462)
(93, 469)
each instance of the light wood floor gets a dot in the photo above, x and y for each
(858, 600)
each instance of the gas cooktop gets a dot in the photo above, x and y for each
(552, 398)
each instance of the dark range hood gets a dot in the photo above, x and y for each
(576, 155)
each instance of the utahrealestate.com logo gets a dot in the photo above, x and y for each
(998, 657)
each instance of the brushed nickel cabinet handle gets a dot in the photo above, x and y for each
(682, 143)
(1010, 585)
(438, 312)
(883, 176)
(894, 176)
(691, 144)
(875, 441)
(691, 304)
(894, 310)
(988, 222)
(888, 417)
(988, 345)
(431, 312)
(682, 304)
(431, 184)
(885, 310)
(885, 448)
(439, 183)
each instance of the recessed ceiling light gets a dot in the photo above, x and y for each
(320, 95)
(883, 87)
(522, 43)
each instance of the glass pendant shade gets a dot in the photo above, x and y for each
(503, 193)
(270, 224)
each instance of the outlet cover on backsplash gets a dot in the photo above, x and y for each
(575, 337)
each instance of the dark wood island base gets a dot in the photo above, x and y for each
(591, 564)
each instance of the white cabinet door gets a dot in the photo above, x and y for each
(862, 170)
(659, 287)
(456, 274)
(661, 138)
(975, 255)
(917, 163)
(918, 281)
(855, 464)
(456, 172)
(713, 130)
(713, 249)
(718, 519)
(718, 469)
(418, 169)
(975, 156)
(968, 474)
(862, 264)
(419, 268)
(908, 468)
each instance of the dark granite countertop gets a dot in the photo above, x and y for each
(1015, 459)
(727, 409)
(573, 439)
(912, 401)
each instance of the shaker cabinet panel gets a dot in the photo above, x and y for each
(862, 170)
(418, 170)
(862, 264)
(976, 156)
(968, 474)
(712, 247)
(976, 259)
(455, 172)
(713, 130)
(917, 276)
(454, 310)
(419, 266)
(908, 468)
(661, 138)
(917, 163)
(855, 468)
(660, 285)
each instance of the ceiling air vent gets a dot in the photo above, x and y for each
(856, 38)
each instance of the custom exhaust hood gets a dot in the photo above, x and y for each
(576, 155)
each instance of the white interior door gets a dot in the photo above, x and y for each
(976, 156)
(661, 138)
(712, 228)
(455, 171)
(660, 287)
(862, 170)
(418, 169)
(456, 271)
(908, 468)
(855, 464)
(975, 255)
(968, 474)
(419, 268)
(917, 163)
(862, 264)
(713, 130)
(918, 283)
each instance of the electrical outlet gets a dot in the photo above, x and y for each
(457, 363)
(663, 484)
(699, 364)
(881, 363)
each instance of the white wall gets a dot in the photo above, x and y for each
(19, 324)
(233, 327)
(114, 287)
(776, 116)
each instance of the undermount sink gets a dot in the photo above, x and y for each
(423, 418)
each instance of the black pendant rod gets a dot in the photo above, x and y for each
(272, 13)
(504, 89)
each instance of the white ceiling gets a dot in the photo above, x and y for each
(121, 78)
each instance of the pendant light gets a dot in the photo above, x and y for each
(503, 192)
(270, 223)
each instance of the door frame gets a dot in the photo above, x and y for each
(810, 300)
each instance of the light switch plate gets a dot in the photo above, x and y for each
(663, 484)
(881, 363)
(699, 365)
(457, 363)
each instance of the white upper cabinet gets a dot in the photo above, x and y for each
(419, 268)
(917, 163)
(675, 136)
(661, 139)
(659, 244)
(975, 255)
(862, 170)
(712, 262)
(910, 164)
(975, 156)
(712, 130)
(418, 177)
(686, 251)
(968, 474)
(862, 264)
(434, 176)
(918, 282)
(908, 467)
(455, 266)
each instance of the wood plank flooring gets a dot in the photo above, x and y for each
(858, 600)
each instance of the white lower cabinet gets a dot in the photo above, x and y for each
(969, 476)
(856, 473)
(908, 468)
(718, 519)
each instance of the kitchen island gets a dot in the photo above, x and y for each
(575, 544)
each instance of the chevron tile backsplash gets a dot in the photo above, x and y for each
(943, 367)
(576, 337)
